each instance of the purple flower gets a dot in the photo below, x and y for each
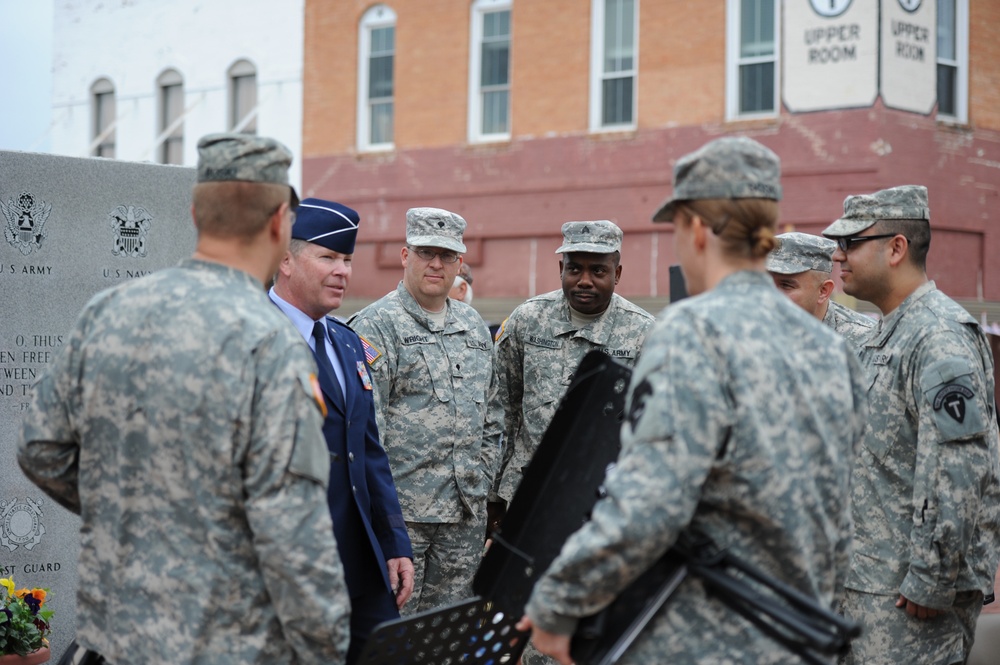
(33, 603)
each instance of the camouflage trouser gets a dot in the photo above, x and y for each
(892, 636)
(445, 557)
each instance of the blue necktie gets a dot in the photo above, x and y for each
(327, 375)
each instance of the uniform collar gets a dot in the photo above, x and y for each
(598, 331)
(887, 324)
(452, 323)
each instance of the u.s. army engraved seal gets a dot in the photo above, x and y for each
(20, 524)
(25, 220)
(129, 225)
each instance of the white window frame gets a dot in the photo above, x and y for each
(378, 16)
(597, 70)
(961, 64)
(733, 62)
(475, 122)
(242, 69)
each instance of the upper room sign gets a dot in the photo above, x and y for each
(908, 66)
(831, 54)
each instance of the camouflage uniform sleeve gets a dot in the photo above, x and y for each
(49, 449)
(493, 431)
(678, 416)
(285, 471)
(953, 466)
(381, 350)
(509, 370)
(859, 415)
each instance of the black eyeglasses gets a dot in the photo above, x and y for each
(845, 243)
(428, 255)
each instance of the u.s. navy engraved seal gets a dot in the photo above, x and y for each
(25, 220)
(129, 225)
(20, 524)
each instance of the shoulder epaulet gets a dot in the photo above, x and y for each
(339, 322)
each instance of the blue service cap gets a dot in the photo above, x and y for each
(326, 223)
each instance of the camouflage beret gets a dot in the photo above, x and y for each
(863, 210)
(799, 252)
(733, 167)
(433, 227)
(243, 157)
(599, 237)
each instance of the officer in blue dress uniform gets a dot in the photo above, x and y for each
(367, 521)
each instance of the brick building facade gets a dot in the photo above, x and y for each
(581, 107)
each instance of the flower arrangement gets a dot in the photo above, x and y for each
(24, 624)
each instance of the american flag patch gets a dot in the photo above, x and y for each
(371, 353)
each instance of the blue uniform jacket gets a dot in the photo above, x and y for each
(367, 520)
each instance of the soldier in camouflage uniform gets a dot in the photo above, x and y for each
(743, 416)
(193, 450)
(924, 489)
(431, 358)
(542, 342)
(801, 266)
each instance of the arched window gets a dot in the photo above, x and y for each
(489, 71)
(376, 85)
(243, 97)
(170, 123)
(102, 94)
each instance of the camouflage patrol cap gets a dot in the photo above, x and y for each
(598, 237)
(732, 167)
(799, 252)
(243, 157)
(433, 227)
(863, 210)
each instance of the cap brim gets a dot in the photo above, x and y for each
(847, 227)
(436, 241)
(586, 248)
(783, 268)
(666, 211)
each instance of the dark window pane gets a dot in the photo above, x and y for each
(946, 29)
(619, 37)
(380, 77)
(495, 66)
(381, 123)
(496, 24)
(757, 88)
(946, 89)
(383, 40)
(104, 118)
(756, 28)
(244, 101)
(495, 109)
(171, 150)
(617, 106)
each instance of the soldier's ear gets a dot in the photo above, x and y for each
(618, 273)
(825, 290)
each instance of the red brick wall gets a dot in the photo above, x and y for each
(984, 64)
